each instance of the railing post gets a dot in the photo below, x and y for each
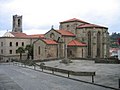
(34, 67)
(92, 78)
(68, 74)
(42, 68)
(53, 70)
(119, 82)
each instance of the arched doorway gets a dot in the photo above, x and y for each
(98, 44)
(89, 44)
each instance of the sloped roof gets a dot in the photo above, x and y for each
(22, 35)
(90, 25)
(65, 33)
(76, 43)
(73, 20)
(18, 34)
(36, 36)
(8, 34)
(48, 41)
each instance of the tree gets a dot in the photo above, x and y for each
(29, 48)
(20, 50)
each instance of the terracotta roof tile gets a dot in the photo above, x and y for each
(23, 35)
(18, 34)
(90, 25)
(76, 43)
(73, 20)
(65, 33)
(36, 36)
(48, 41)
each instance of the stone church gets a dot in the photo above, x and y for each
(80, 39)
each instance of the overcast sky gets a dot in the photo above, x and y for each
(40, 15)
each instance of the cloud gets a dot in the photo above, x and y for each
(44, 13)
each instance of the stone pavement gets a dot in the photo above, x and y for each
(6, 83)
(27, 79)
(106, 74)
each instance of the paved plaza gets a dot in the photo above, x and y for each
(18, 78)
(106, 74)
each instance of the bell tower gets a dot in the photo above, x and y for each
(17, 23)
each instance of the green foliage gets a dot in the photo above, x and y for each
(114, 40)
(29, 48)
(20, 50)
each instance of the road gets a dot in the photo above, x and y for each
(18, 78)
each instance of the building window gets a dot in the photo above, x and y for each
(98, 44)
(16, 43)
(89, 44)
(10, 51)
(52, 35)
(1, 51)
(82, 52)
(39, 50)
(10, 43)
(22, 43)
(19, 22)
(1, 43)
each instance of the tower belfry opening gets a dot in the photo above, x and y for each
(17, 23)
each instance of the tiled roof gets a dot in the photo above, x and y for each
(48, 41)
(90, 25)
(65, 33)
(76, 43)
(18, 34)
(73, 20)
(36, 36)
(23, 35)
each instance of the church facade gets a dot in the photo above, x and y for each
(78, 38)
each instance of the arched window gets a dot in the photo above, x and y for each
(19, 22)
(98, 44)
(82, 52)
(10, 44)
(39, 50)
(52, 35)
(89, 44)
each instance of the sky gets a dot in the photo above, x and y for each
(40, 15)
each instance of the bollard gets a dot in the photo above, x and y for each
(92, 79)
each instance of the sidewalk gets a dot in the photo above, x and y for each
(29, 79)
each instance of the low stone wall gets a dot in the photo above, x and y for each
(68, 71)
(108, 61)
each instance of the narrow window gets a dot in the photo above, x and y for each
(16, 43)
(10, 51)
(19, 23)
(1, 51)
(39, 50)
(22, 43)
(1, 43)
(10, 44)
(82, 52)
